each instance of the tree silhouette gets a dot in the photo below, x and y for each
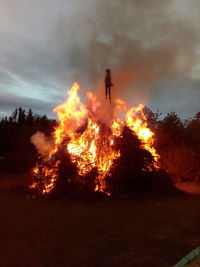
(15, 132)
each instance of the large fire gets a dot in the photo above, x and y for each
(88, 140)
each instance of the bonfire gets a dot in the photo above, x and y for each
(84, 136)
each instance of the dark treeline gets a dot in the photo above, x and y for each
(177, 141)
(178, 144)
(16, 152)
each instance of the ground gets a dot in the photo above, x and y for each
(49, 232)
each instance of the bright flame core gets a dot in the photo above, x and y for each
(88, 142)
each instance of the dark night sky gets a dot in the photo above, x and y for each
(152, 47)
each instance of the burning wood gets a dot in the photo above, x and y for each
(88, 141)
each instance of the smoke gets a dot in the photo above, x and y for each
(143, 42)
(42, 143)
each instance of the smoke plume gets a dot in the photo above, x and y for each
(143, 42)
(42, 143)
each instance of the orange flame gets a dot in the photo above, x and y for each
(139, 126)
(90, 145)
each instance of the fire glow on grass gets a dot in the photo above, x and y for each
(81, 135)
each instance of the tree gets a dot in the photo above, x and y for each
(170, 131)
(21, 115)
(152, 117)
(178, 146)
(30, 116)
(15, 134)
(193, 132)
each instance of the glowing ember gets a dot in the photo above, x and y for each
(88, 140)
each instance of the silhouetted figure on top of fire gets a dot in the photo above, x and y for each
(108, 84)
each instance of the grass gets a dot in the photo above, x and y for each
(47, 232)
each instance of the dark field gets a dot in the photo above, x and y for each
(39, 232)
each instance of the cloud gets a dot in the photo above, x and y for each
(180, 96)
(51, 44)
(8, 102)
(141, 41)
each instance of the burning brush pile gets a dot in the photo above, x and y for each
(97, 151)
